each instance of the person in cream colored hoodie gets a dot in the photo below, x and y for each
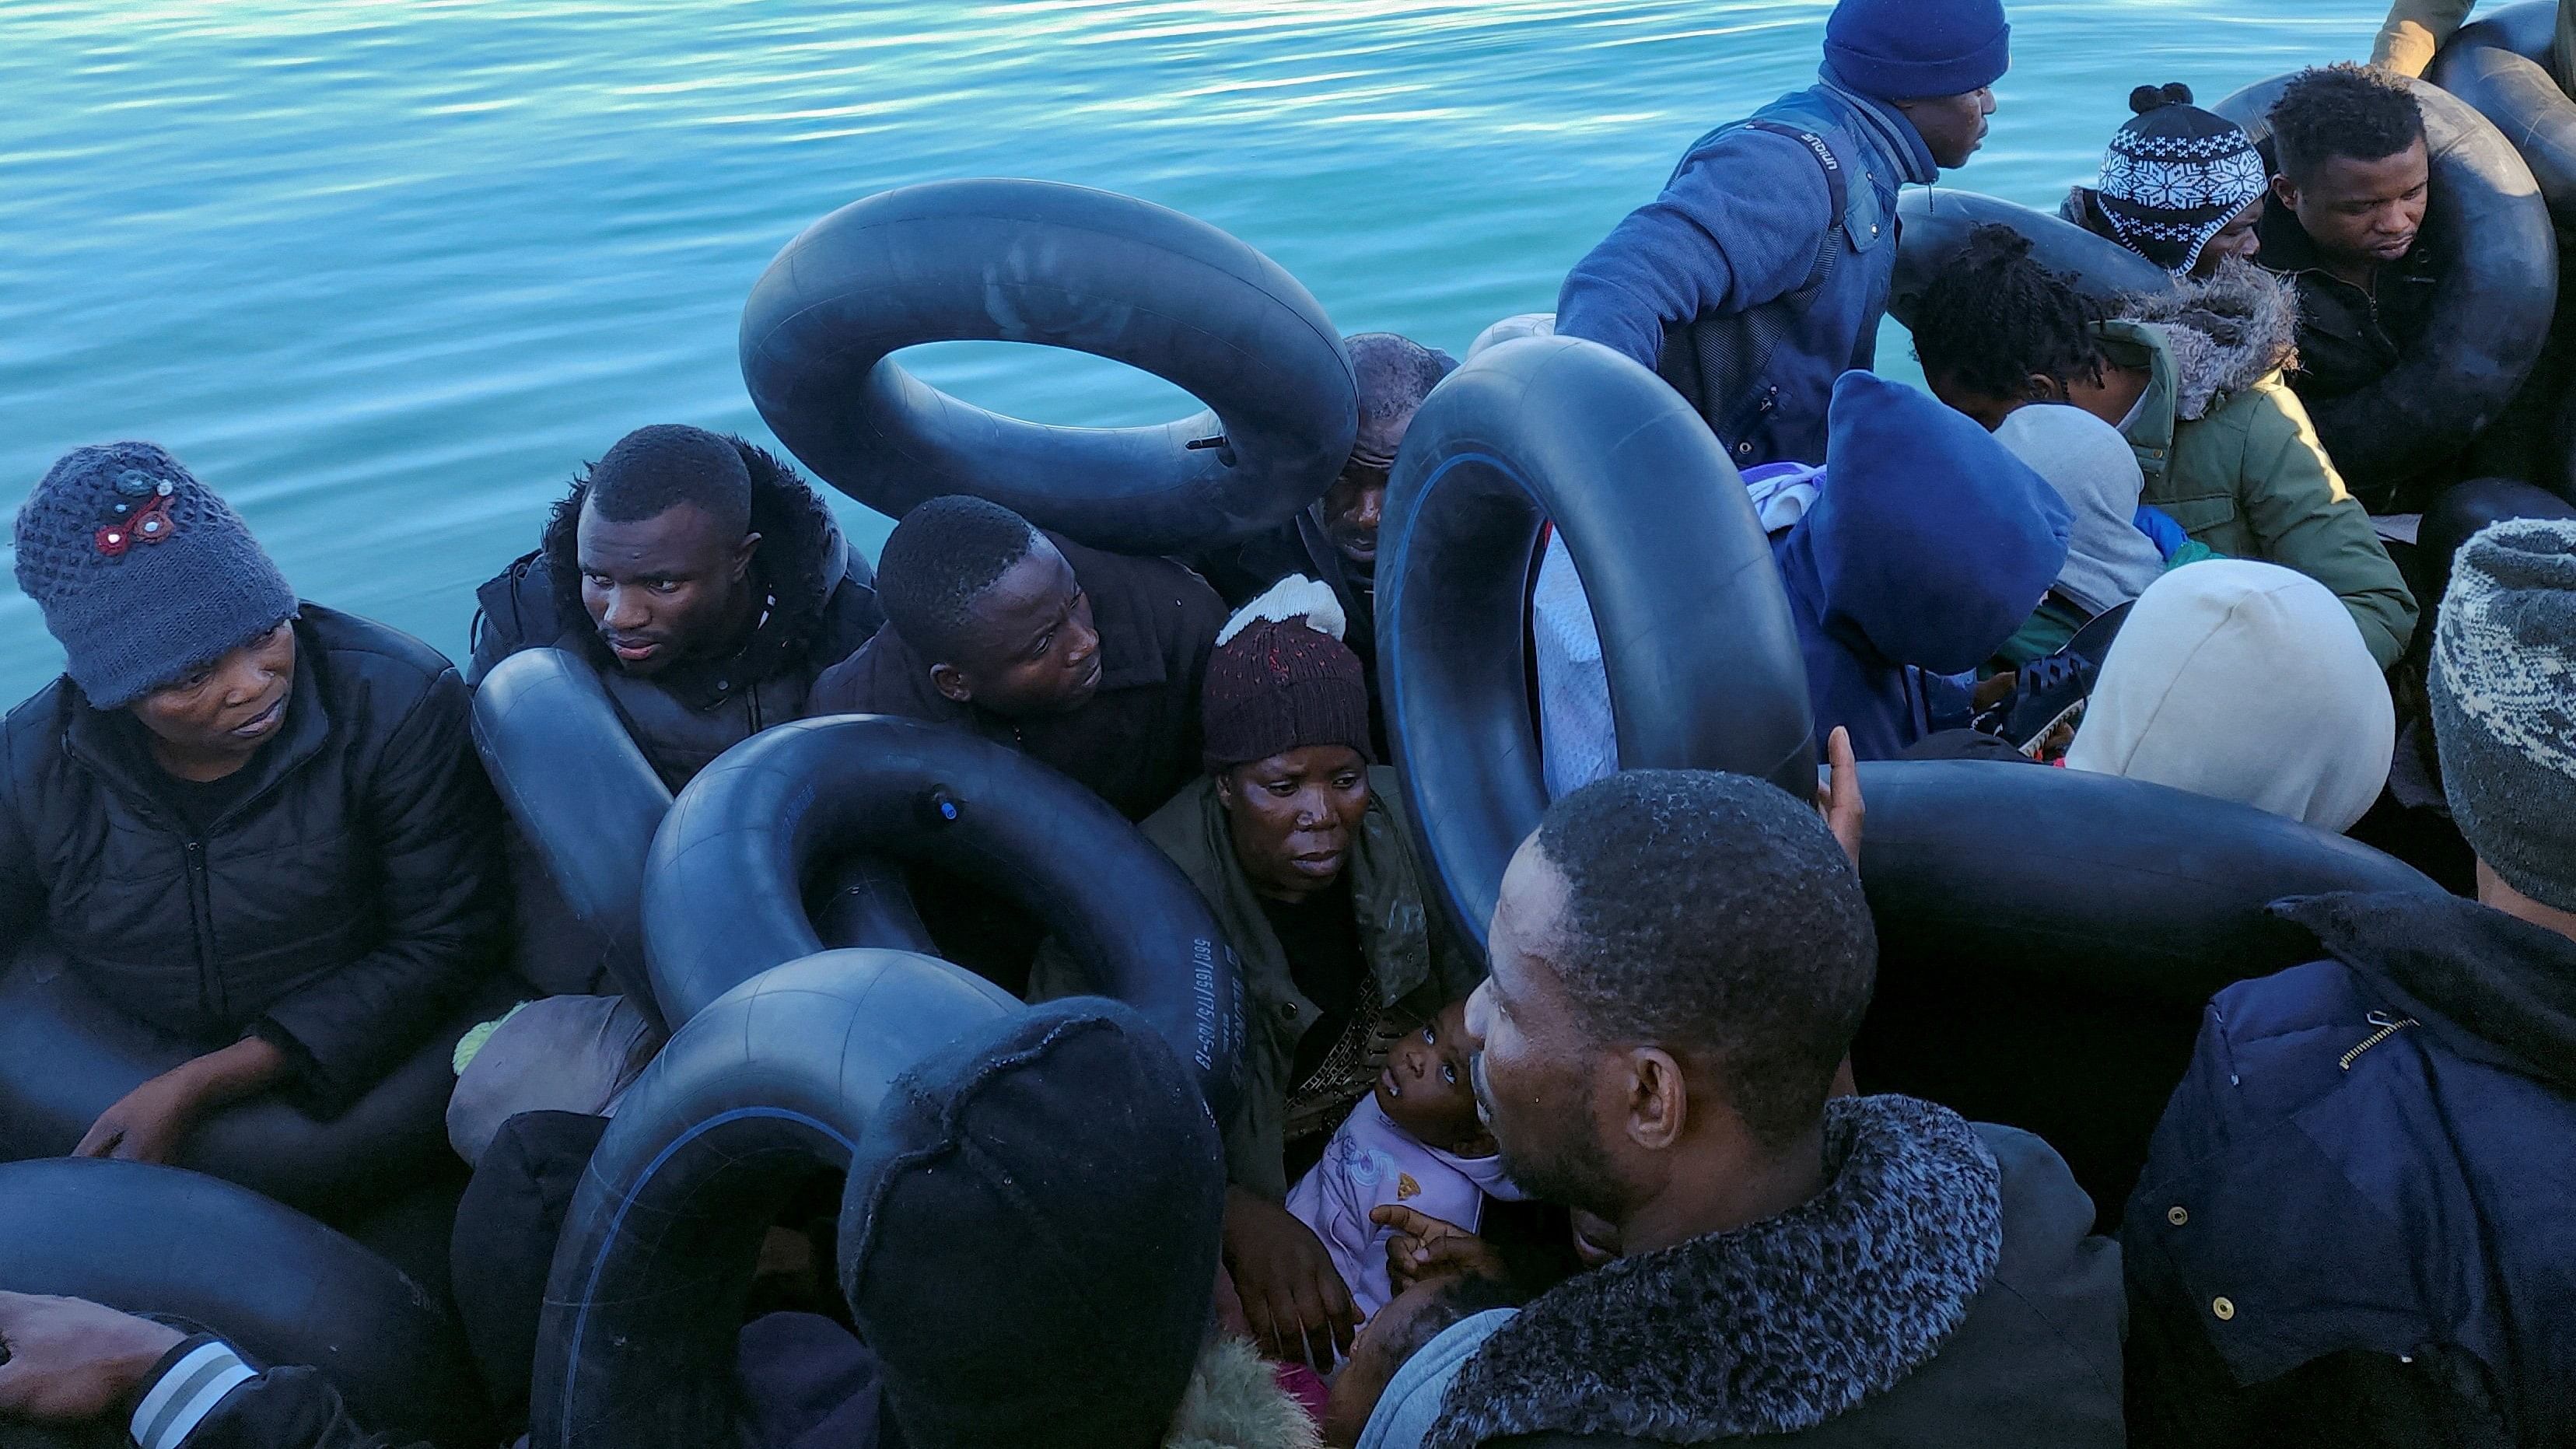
(2249, 682)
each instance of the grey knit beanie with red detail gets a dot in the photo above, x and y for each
(143, 574)
(1281, 679)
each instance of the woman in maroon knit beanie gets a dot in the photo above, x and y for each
(1296, 840)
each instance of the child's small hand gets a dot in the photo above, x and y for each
(1425, 1248)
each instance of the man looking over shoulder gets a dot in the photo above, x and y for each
(1762, 272)
(1680, 962)
(704, 578)
(1088, 661)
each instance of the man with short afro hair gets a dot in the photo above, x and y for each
(1088, 661)
(1680, 962)
(2351, 188)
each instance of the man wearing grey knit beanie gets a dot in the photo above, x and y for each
(2353, 1226)
(253, 827)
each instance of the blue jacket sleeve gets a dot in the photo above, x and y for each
(2160, 529)
(1740, 224)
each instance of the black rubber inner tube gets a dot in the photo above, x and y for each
(579, 791)
(588, 802)
(2501, 68)
(773, 1081)
(1696, 634)
(1936, 224)
(277, 1284)
(2048, 939)
(67, 1055)
(2498, 256)
(726, 893)
(1066, 266)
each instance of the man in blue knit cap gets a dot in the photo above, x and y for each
(1761, 273)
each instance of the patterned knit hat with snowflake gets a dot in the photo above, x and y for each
(2175, 176)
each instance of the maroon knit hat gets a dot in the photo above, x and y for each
(1282, 686)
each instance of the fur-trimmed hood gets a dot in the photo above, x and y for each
(2225, 333)
(1235, 1401)
(1773, 1328)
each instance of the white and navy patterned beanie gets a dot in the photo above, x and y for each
(2175, 176)
(2504, 703)
(142, 572)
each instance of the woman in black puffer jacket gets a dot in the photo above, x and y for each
(254, 825)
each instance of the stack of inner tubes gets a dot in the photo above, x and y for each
(2500, 67)
(725, 898)
(2047, 938)
(1065, 266)
(771, 1082)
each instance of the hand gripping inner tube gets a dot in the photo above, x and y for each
(1066, 266)
(2500, 67)
(1702, 654)
(2048, 939)
(725, 895)
(275, 1283)
(773, 1080)
(2498, 258)
(1935, 229)
(66, 1055)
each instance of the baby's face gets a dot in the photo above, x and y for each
(1425, 1085)
(1372, 1364)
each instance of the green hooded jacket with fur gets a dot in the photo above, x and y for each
(2229, 452)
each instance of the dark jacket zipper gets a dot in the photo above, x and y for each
(201, 909)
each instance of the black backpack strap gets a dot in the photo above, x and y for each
(1837, 187)
(1721, 365)
(1837, 181)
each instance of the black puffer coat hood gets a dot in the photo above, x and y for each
(821, 606)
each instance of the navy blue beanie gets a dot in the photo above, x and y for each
(1029, 1236)
(1906, 50)
(143, 574)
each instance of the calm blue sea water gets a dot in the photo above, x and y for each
(386, 274)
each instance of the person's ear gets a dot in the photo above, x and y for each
(952, 683)
(1225, 793)
(2040, 387)
(1658, 1100)
(2285, 191)
(742, 555)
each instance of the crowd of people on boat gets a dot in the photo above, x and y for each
(1607, 1181)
